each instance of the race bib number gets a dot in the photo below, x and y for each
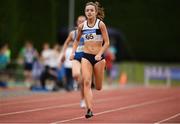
(89, 36)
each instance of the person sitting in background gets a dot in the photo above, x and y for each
(36, 73)
(50, 58)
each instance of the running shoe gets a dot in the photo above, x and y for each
(89, 114)
(82, 104)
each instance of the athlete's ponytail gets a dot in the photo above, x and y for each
(99, 9)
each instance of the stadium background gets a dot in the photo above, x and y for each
(145, 33)
(150, 29)
(146, 36)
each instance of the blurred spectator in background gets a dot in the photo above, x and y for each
(5, 55)
(46, 54)
(50, 58)
(68, 69)
(36, 73)
(110, 58)
(7, 52)
(27, 57)
(4, 60)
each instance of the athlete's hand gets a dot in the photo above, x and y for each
(98, 57)
(71, 56)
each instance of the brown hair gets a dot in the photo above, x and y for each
(99, 9)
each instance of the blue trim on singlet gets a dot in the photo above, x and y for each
(78, 55)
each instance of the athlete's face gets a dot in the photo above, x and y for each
(80, 20)
(90, 12)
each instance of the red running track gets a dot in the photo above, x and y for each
(121, 105)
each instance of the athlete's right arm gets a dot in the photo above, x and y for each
(67, 41)
(65, 45)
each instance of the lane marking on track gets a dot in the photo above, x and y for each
(3, 103)
(38, 109)
(30, 101)
(64, 106)
(119, 109)
(169, 118)
(60, 106)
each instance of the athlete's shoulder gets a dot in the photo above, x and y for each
(102, 25)
(71, 33)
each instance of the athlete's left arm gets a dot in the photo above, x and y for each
(105, 36)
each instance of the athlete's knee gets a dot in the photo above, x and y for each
(76, 77)
(87, 83)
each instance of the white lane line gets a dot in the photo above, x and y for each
(119, 109)
(38, 109)
(169, 118)
(3, 103)
(27, 101)
(72, 119)
(60, 106)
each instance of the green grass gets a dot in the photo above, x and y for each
(135, 72)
